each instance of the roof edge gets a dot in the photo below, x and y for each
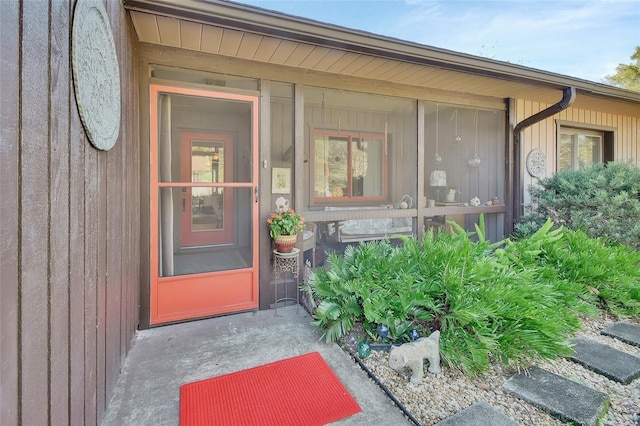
(254, 19)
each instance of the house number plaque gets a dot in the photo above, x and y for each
(96, 73)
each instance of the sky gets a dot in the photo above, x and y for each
(583, 39)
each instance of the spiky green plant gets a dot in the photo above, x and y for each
(498, 311)
(608, 276)
(513, 301)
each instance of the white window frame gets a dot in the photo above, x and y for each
(575, 130)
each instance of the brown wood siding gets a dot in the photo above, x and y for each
(281, 119)
(9, 152)
(59, 166)
(34, 185)
(70, 225)
(542, 135)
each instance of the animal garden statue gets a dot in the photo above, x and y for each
(413, 354)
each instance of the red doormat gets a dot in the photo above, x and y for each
(296, 391)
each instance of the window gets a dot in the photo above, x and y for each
(579, 148)
(349, 166)
(464, 154)
(360, 149)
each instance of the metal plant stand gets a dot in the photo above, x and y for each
(286, 265)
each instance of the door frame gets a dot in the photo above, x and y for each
(159, 292)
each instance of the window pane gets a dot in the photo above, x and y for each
(217, 150)
(282, 145)
(204, 224)
(204, 78)
(332, 173)
(367, 181)
(348, 166)
(207, 208)
(361, 148)
(565, 152)
(464, 154)
(577, 149)
(588, 150)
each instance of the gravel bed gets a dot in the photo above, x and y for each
(440, 396)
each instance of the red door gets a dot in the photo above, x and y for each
(207, 216)
(203, 215)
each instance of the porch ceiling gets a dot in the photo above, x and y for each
(238, 31)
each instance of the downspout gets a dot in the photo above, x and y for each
(568, 96)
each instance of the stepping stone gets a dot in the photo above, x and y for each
(479, 413)
(625, 332)
(610, 362)
(561, 398)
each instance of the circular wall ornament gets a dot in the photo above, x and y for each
(96, 73)
(536, 163)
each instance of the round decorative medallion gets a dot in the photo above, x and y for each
(96, 73)
(536, 163)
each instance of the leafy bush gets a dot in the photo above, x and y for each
(610, 273)
(513, 301)
(604, 201)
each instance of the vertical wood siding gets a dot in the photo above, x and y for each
(70, 225)
(542, 135)
(9, 152)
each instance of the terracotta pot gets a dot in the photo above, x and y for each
(285, 243)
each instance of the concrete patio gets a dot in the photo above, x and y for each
(164, 358)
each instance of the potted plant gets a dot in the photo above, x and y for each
(284, 226)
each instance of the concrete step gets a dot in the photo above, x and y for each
(625, 332)
(561, 398)
(478, 414)
(610, 362)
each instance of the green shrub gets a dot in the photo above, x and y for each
(609, 273)
(508, 309)
(513, 301)
(604, 201)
